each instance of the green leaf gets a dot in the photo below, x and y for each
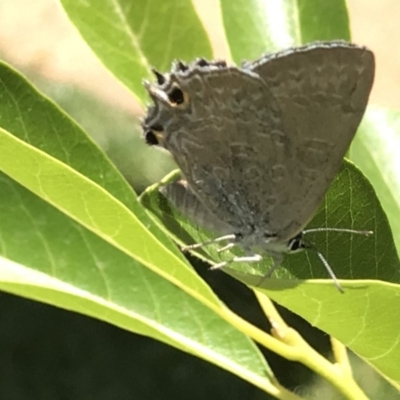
(51, 176)
(52, 259)
(349, 204)
(375, 151)
(257, 26)
(365, 318)
(90, 247)
(101, 260)
(368, 263)
(327, 20)
(130, 37)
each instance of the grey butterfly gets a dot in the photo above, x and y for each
(259, 145)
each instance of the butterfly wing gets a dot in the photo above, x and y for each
(322, 91)
(259, 146)
(184, 200)
(214, 135)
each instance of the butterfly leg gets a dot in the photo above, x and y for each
(227, 247)
(250, 259)
(212, 241)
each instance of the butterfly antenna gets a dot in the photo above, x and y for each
(338, 230)
(327, 266)
(321, 256)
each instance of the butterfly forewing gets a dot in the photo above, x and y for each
(322, 91)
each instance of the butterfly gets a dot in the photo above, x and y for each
(259, 145)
